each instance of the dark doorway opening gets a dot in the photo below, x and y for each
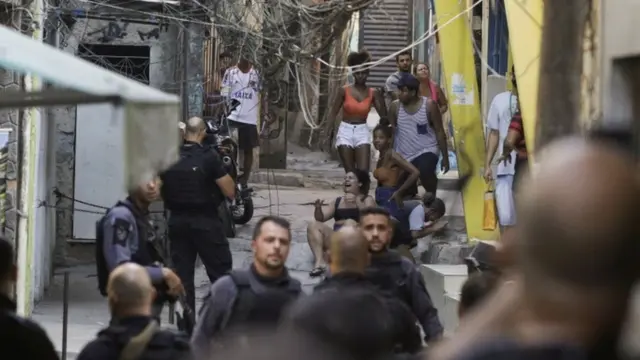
(128, 60)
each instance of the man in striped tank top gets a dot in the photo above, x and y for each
(419, 132)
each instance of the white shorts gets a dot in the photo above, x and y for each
(504, 200)
(353, 135)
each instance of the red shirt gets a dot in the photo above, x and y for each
(521, 145)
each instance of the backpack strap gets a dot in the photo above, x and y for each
(137, 344)
(295, 287)
(243, 303)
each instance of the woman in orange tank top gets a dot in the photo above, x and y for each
(353, 139)
(389, 170)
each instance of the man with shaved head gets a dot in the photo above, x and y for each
(193, 189)
(129, 291)
(348, 252)
(576, 261)
(134, 333)
(348, 258)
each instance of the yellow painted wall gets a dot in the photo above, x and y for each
(457, 60)
(524, 19)
(26, 224)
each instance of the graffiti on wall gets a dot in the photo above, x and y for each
(113, 30)
(153, 33)
(119, 29)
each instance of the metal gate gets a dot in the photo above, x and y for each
(385, 28)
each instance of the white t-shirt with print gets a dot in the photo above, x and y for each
(502, 109)
(244, 87)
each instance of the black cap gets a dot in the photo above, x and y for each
(409, 81)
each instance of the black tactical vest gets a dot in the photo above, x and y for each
(388, 275)
(186, 185)
(259, 309)
(142, 256)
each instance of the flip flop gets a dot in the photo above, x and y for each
(317, 271)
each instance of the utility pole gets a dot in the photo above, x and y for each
(559, 90)
(192, 63)
(184, 65)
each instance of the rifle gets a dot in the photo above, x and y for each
(185, 315)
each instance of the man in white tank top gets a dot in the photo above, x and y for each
(419, 134)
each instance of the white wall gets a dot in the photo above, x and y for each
(619, 42)
(41, 254)
(99, 173)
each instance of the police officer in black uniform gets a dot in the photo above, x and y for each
(249, 298)
(348, 259)
(123, 234)
(134, 333)
(396, 275)
(192, 191)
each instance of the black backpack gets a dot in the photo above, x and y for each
(101, 262)
(151, 343)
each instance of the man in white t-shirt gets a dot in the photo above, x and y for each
(242, 82)
(502, 109)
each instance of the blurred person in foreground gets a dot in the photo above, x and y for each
(574, 268)
(353, 320)
(281, 345)
(348, 257)
(394, 274)
(134, 333)
(20, 338)
(475, 290)
(249, 298)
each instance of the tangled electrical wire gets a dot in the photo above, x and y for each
(284, 39)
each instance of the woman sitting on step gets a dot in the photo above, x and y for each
(345, 209)
(389, 170)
